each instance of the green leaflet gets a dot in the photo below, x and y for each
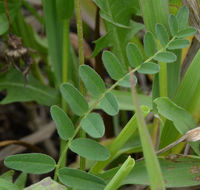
(109, 104)
(182, 17)
(34, 163)
(112, 65)
(89, 149)
(165, 57)
(93, 125)
(150, 46)
(92, 80)
(134, 55)
(64, 125)
(173, 25)
(179, 44)
(149, 68)
(126, 81)
(189, 31)
(74, 98)
(162, 34)
(80, 180)
(18, 91)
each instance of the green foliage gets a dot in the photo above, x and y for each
(149, 68)
(121, 174)
(166, 57)
(182, 17)
(150, 47)
(93, 125)
(189, 31)
(178, 171)
(74, 98)
(134, 55)
(21, 180)
(112, 65)
(179, 44)
(162, 44)
(173, 25)
(13, 8)
(4, 184)
(109, 104)
(8, 175)
(64, 125)
(162, 34)
(80, 180)
(89, 149)
(18, 90)
(119, 26)
(92, 80)
(34, 163)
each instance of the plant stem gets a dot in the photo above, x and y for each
(81, 60)
(79, 31)
(65, 56)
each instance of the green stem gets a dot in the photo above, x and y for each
(81, 60)
(65, 63)
(80, 31)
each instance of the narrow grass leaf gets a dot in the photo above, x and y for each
(166, 57)
(89, 149)
(182, 17)
(150, 47)
(179, 44)
(179, 171)
(109, 104)
(149, 68)
(189, 31)
(81, 180)
(64, 124)
(134, 55)
(65, 8)
(173, 25)
(121, 174)
(112, 65)
(126, 81)
(162, 34)
(92, 80)
(93, 125)
(34, 163)
(74, 98)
